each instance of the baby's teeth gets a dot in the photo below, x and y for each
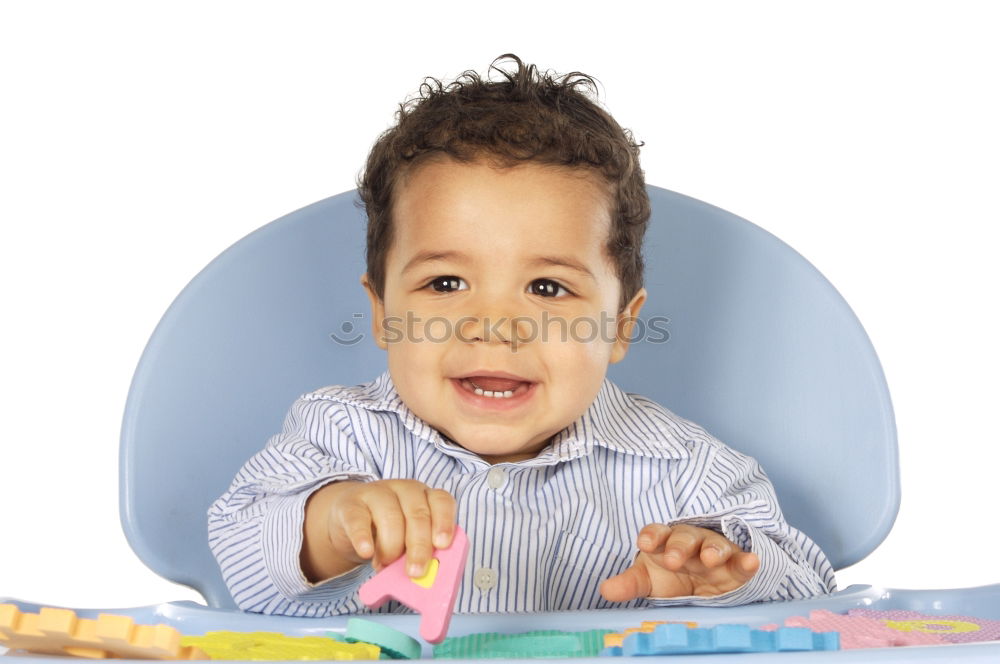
(496, 394)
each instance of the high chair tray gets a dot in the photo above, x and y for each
(981, 602)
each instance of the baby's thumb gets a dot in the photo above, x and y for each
(630, 584)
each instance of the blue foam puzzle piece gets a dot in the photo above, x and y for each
(675, 639)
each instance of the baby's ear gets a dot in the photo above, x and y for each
(626, 324)
(378, 312)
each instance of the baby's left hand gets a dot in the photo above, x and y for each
(681, 560)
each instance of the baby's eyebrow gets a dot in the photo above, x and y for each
(429, 256)
(562, 261)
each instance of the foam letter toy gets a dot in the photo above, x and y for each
(432, 595)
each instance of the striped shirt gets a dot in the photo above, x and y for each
(543, 532)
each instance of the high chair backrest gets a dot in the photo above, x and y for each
(739, 334)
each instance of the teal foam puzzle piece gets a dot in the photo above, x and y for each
(394, 644)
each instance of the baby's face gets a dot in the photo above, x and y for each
(500, 271)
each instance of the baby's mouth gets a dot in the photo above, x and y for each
(498, 388)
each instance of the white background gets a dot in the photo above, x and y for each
(138, 140)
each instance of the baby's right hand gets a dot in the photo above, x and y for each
(383, 519)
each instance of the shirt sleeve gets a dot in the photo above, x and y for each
(735, 498)
(255, 527)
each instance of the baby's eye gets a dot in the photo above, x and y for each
(447, 284)
(547, 288)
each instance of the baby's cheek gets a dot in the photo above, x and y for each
(413, 376)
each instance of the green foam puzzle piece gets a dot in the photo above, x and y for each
(537, 644)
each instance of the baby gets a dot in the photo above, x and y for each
(501, 215)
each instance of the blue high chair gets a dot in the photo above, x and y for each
(752, 342)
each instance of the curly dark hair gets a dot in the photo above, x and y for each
(527, 116)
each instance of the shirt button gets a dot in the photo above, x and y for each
(485, 578)
(496, 477)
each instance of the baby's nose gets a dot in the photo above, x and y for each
(498, 329)
(487, 328)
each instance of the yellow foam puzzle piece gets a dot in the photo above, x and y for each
(273, 646)
(932, 626)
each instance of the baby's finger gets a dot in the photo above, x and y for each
(356, 522)
(716, 550)
(743, 566)
(443, 510)
(682, 543)
(652, 537)
(387, 516)
(417, 512)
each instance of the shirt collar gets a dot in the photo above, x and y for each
(616, 420)
(621, 422)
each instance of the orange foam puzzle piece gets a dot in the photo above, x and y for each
(54, 631)
(617, 638)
